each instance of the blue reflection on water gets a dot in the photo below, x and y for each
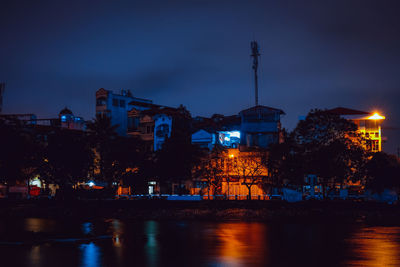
(151, 231)
(87, 228)
(90, 255)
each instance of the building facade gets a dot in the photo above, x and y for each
(369, 125)
(258, 127)
(117, 106)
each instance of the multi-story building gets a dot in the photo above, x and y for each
(368, 123)
(154, 125)
(246, 138)
(258, 126)
(117, 106)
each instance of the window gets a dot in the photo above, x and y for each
(162, 130)
(115, 102)
(122, 103)
(375, 146)
(101, 101)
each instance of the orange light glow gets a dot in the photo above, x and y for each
(231, 155)
(376, 116)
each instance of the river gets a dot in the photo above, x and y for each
(186, 243)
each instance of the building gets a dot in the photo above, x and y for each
(261, 126)
(258, 126)
(246, 138)
(69, 121)
(117, 106)
(155, 124)
(369, 126)
(66, 119)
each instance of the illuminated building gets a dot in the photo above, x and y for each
(69, 121)
(258, 126)
(246, 137)
(116, 106)
(368, 123)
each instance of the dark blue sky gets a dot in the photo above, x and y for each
(315, 54)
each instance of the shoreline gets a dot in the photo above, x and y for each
(218, 210)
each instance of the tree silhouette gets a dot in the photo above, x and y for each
(250, 168)
(66, 158)
(383, 172)
(210, 169)
(101, 135)
(329, 147)
(18, 151)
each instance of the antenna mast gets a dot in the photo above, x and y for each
(255, 54)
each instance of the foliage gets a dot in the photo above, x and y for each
(175, 161)
(177, 157)
(323, 144)
(210, 168)
(101, 135)
(66, 158)
(18, 153)
(383, 172)
(122, 158)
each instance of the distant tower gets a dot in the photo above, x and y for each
(2, 88)
(255, 54)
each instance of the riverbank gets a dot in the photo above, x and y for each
(307, 211)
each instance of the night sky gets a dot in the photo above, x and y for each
(315, 54)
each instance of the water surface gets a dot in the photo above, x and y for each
(179, 243)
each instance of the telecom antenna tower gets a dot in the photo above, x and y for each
(255, 54)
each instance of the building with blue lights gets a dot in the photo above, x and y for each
(256, 127)
(69, 121)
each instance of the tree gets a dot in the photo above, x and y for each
(178, 156)
(175, 161)
(101, 135)
(122, 158)
(210, 168)
(66, 158)
(250, 168)
(18, 152)
(329, 147)
(320, 128)
(284, 164)
(383, 172)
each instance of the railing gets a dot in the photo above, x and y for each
(199, 197)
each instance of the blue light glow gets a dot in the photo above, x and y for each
(229, 138)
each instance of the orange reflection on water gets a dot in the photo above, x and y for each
(241, 242)
(39, 225)
(376, 246)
